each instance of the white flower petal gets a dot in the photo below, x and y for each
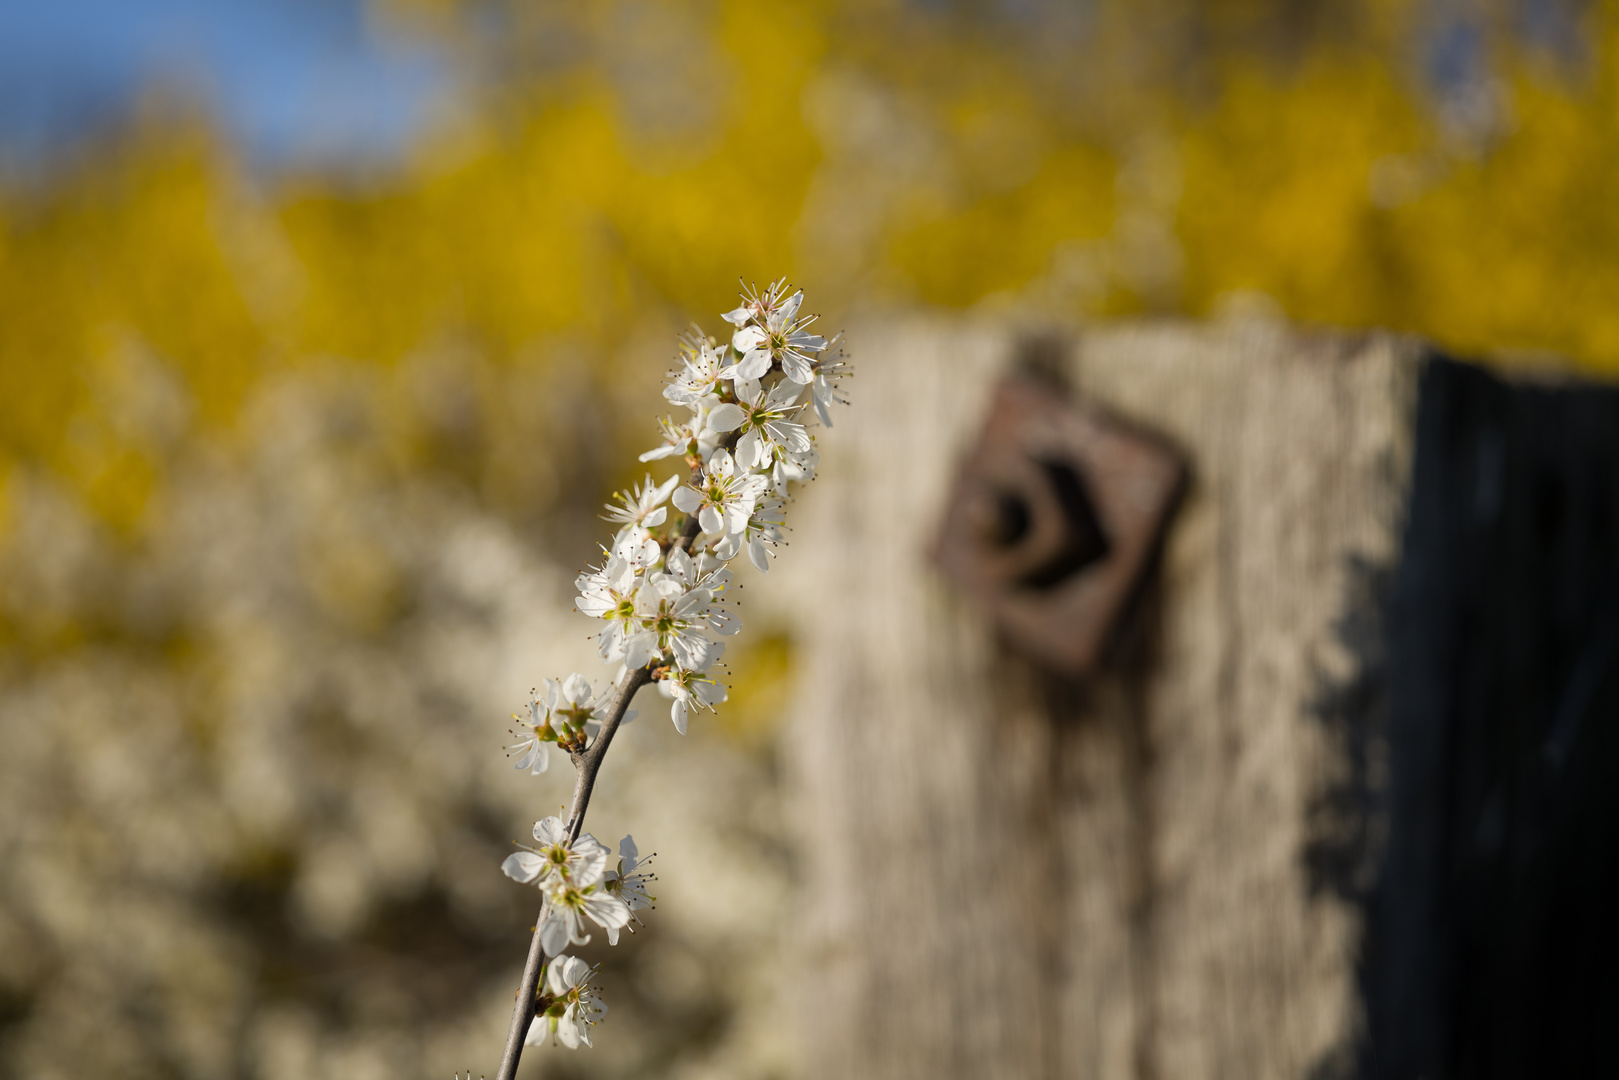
(693, 652)
(758, 556)
(536, 758)
(679, 564)
(797, 368)
(721, 465)
(564, 973)
(559, 930)
(789, 309)
(576, 688)
(523, 866)
(749, 451)
(608, 912)
(691, 603)
(727, 547)
(754, 365)
(648, 554)
(784, 393)
(549, 830)
(737, 515)
(639, 650)
(688, 499)
(620, 574)
(611, 643)
(592, 861)
(726, 417)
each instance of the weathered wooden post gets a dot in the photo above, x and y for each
(1159, 867)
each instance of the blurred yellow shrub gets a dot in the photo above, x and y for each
(881, 153)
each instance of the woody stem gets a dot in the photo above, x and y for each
(588, 764)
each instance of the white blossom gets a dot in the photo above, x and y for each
(574, 1005)
(641, 511)
(679, 565)
(770, 331)
(572, 903)
(609, 593)
(534, 733)
(751, 337)
(672, 620)
(640, 551)
(793, 469)
(765, 426)
(690, 576)
(571, 876)
(575, 708)
(755, 360)
(756, 306)
(762, 532)
(679, 440)
(774, 334)
(629, 881)
(700, 373)
(687, 689)
(830, 370)
(556, 861)
(699, 572)
(724, 501)
(696, 437)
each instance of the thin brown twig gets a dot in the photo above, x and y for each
(588, 764)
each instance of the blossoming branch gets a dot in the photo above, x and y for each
(661, 595)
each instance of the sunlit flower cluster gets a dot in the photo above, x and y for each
(579, 885)
(569, 1006)
(564, 714)
(573, 875)
(661, 598)
(661, 589)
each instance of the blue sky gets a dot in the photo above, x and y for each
(290, 80)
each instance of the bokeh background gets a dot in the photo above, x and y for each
(325, 329)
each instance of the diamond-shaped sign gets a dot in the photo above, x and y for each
(1054, 520)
